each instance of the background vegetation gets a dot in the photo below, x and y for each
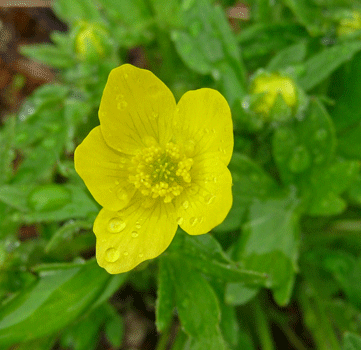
(284, 269)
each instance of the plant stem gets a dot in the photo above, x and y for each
(262, 327)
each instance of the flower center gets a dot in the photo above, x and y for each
(161, 172)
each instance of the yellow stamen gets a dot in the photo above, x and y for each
(161, 172)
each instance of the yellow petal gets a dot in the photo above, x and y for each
(130, 236)
(136, 107)
(203, 123)
(206, 203)
(104, 171)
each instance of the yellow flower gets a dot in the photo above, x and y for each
(272, 85)
(153, 164)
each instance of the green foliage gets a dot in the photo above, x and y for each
(294, 227)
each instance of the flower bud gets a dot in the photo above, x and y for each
(91, 41)
(270, 85)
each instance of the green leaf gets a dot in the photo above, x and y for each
(274, 222)
(304, 144)
(49, 197)
(126, 12)
(114, 327)
(49, 55)
(350, 143)
(66, 232)
(62, 294)
(76, 10)
(165, 297)
(259, 40)
(208, 46)
(7, 154)
(40, 344)
(346, 269)
(249, 181)
(354, 191)
(84, 333)
(347, 88)
(206, 255)
(16, 196)
(239, 294)
(307, 14)
(322, 64)
(289, 56)
(79, 206)
(351, 341)
(197, 306)
(326, 185)
(230, 325)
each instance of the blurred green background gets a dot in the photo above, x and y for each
(283, 271)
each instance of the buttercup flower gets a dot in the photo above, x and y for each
(153, 164)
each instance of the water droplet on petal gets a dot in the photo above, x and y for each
(140, 255)
(185, 204)
(117, 182)
(189, 148)
(194, 189)
(116, 225)
(125, 253)
(121, 105)
(149, 141)
(193, 221)
(138, 225)
(209, 198)
(111, 255)
(154, 115)
(180, 220)
(135, 234)
(122, 195)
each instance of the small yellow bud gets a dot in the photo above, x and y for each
(349, 24)
(91, 41)
(271, 85)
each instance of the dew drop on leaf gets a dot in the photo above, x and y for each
(321, 135)
(300, 160)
